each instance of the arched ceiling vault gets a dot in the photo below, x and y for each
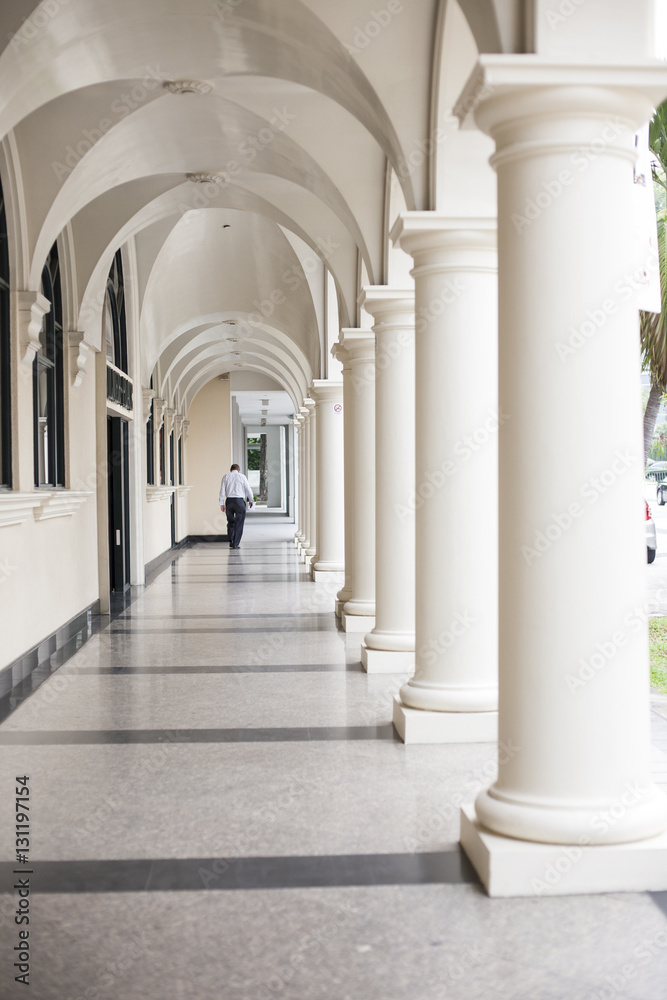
(297, 110)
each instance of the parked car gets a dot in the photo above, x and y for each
(657, 471)
(661, 493)
(651, 537)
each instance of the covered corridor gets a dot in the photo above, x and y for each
(222, 810)
(391, 263)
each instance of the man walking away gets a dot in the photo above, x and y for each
(234, 489)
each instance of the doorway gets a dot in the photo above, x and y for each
(118, 479)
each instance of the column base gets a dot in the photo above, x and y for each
(318, 575)
(509, 867)
(357, 623)
(387, 661)
(338, 608)
(416, 725)
(307, 556)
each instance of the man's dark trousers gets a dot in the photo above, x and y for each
(235, 510)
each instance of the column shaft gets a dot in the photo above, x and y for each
(343, 355)
(311, 551)
(390, 646)
(330, 493)
(359, 609)
(573, 651)
(453, 695)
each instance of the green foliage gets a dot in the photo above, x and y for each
(657, 637)
(658, 450)
(657, 140)
(653, 326)
(253, 459)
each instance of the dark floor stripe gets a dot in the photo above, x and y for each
(232, 668)
(449, 867)
(332, 627)
(73, 737)
(258, 614)
(660, 900)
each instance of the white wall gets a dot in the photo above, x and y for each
(48, 569)
(209, 455)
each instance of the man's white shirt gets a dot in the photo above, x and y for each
(235, 484)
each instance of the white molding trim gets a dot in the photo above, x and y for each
(15, 508)
(61, 503)
(32, 308)
(80, 351)
(154, 493)
(183, 490)
(147, 396)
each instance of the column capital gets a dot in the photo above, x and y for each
(427, 236)
(185, 429)
(309, 406)
(516, 76)
(178, 424)
(360, 345)
(388, 305)
(340, 353)
(325, 391)
(533, 107)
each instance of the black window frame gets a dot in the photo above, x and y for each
(115, 298)
(49, 363)
(5, 355)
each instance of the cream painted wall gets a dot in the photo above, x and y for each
(157, 528)
(48, 569)
(208, 457)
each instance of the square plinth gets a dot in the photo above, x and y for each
(358, 623)
(324, 575)
(387, 661)
(338, 608)
(509, 867)
(416, 725)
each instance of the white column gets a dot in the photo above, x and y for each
(453, 696)
(342, 355)
(298, 440)
(311, 550)
(390, 647)
(359, 609)
(305, 481)
(330, 493)
(574, 708)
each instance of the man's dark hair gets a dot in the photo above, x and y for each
(235, 468)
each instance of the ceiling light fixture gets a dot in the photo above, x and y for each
(205, 178)
(188, 86)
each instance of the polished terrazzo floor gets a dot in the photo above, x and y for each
(220, 811)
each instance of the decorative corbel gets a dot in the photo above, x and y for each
(178, 425)
(169, 415)
(32, 308)
(79, 353)
(186, 429)
(148, 396)
(159, 406)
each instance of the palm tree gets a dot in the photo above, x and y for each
(653, 326)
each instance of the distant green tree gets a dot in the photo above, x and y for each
(653, 326)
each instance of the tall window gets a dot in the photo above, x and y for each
(114, 316)
(48, 410)
(5, 377)
(150, 445)
(180, 461)
(163, 458)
